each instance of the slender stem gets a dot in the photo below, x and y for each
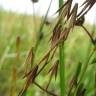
(62, 70)
(60, 3)
(50, 93)
(62, 67)
(88, 34)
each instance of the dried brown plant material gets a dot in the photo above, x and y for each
(45, 63)
(29, 80)
(62, 38)
(45, 58)
(14, 80)
(88, 4)
(73, 16)
(65, 10)
(62, 7)
(53, 53)
(54, 69)
(29, 59)
(18, 41)
(56, 33)
(53, 72)
(64, 35)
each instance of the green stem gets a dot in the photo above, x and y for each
(62, 70)
(62, 67)
(60, 3)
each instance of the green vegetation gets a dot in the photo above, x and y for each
(30, 57)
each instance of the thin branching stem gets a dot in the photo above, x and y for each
(48, 92)
(88, 34)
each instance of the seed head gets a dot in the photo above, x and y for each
(87, 5)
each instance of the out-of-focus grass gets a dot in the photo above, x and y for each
(13, 25)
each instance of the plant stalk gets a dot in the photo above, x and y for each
(62, 67)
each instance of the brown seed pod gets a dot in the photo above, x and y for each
(30, 77)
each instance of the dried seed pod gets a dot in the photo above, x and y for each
(29, 59)
(54, 69)
(73, 16)
(29, 80)
(65, 9)
(56, 33)
(53, 72)
(34, 1)
(80, 21)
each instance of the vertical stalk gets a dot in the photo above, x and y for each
(62, 70)
(62, 67)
